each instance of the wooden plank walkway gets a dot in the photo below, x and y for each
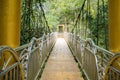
(61, 64)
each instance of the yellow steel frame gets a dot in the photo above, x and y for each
(10, 22)
(9, 26)
(114, 25)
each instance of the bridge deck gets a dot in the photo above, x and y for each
(61, 64)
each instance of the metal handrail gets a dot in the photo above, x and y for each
(92, 59)
(112, 71)
(37, 54)
(11, 67)
(28, 59)
(96, 63)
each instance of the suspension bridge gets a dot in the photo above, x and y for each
(61, 55)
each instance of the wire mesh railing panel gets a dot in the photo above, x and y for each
(34, 64)
(89, 65)
(37, 55)
(25, 62)
(93, 59)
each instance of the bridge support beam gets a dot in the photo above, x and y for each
(114, 25)
(10, 23)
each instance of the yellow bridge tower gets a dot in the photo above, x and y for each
(114, 25)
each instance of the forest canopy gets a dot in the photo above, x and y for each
(39, 17)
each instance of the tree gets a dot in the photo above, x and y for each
(33, 22)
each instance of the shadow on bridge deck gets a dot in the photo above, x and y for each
(61, 64)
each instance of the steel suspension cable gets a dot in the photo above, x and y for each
(48, 28)
(32, 17)
(78, 17)
(105, 27)
(86, 14)
(90, 26)
(82, 21)
(98, 3)
(86, 27)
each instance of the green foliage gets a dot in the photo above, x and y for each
(33, 23)
(99, 26)
(94, 22)
(62, 12)
(91, 21)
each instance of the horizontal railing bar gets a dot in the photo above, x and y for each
(21, 47)
(114, 69)
(9, 68)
